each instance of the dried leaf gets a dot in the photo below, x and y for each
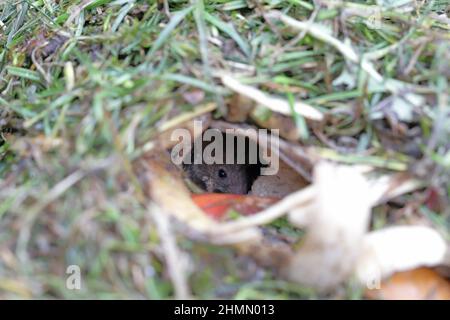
(216, 205)
(194, 97)
(239, 108)
(399, 248)
(418, 284)
(333, 242)
(164, 183)
(336, 245)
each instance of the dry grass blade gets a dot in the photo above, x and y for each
(275, 104)
(299, 199)
(320, 33)
(176, 260)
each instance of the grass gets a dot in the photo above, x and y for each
(84, 85)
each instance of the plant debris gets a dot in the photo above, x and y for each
(350, 100)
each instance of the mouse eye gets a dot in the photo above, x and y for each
(222, 173)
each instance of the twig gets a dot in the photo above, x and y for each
(166, 8)
(41, 70)
(414, 58)
(273, 103)
(294, 200)
(173, 255)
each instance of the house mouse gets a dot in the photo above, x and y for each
(220, 178)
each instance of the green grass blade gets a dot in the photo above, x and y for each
(164, 35)
(230, 31)
(23, 73)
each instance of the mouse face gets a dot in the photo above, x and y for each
(220, 178)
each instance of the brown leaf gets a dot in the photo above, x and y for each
(45, 44)
(163, 181)
(239, 108)
(434, 199)
(194, 97)
(418, 284)
(216, 205)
